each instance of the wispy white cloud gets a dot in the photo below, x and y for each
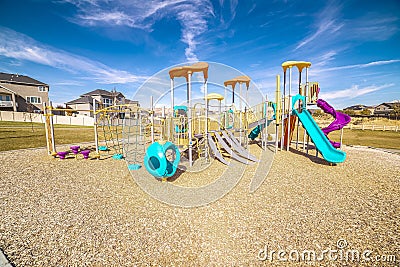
(266, 85)
(325, 58)
(192, 15)
(227, 18)
(255, 65)
(113, 17)
(77, 2)
(327, 22)
(252, 8)
(372, 27)
(365, 65)
(233, 6)
(68, 83)
(21, 47)
(15, 63)
(135, 14)
(353, 92)
(193, 25)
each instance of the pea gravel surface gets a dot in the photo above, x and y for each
(77, 212)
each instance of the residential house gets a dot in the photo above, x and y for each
(84, 105)
(22, 93)
(384, 109)
(356, 107)
(359, 108)
(101, 98)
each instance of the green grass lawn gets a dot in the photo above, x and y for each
(18, 135)
(381, 139)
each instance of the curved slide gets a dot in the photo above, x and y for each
(318, 137)
(340, 121)
(260, 125)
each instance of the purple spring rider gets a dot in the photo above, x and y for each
(62, 154)
(75, 150)
(85, 153)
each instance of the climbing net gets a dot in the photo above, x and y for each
(110, 129)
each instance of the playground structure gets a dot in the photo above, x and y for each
(185, 134)
(295, 107)
(191, 128)
(107, 130)
(198, 133)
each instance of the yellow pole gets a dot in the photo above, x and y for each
(278, 100)
(96, 134)
(47, 128)
(53, 141)
(277, 109)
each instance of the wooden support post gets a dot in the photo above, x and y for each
(47, 128)
(341, 138)
(53, 142)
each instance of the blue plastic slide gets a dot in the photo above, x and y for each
(256, 131)
(322, 143)
(261, 124)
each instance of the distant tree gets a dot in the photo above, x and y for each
(69, 113)
(396, 110)
(59, 112)
(30, 108)
(366, 112)
(349, 112)
(317, 113)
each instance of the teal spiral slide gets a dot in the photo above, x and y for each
(321, 142)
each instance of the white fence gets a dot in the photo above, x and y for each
(89, 121)
(373, 127)
(34, 117)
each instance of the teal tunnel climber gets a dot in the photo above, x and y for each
(229, 114)
(157, 162)
(256, 131)
(181, 111)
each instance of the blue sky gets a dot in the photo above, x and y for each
(80, 45)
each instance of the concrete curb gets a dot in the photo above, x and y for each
(4, 261)
(387, 150)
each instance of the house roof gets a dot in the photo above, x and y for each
(357, 107)
(17, 78)
(81, 100)
(88, 97)
(6, 89)
(389, 105)
(102, 92)
(128, 101)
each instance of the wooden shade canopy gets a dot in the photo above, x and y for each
(183, 71)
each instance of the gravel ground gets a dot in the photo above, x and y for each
(91, 213)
